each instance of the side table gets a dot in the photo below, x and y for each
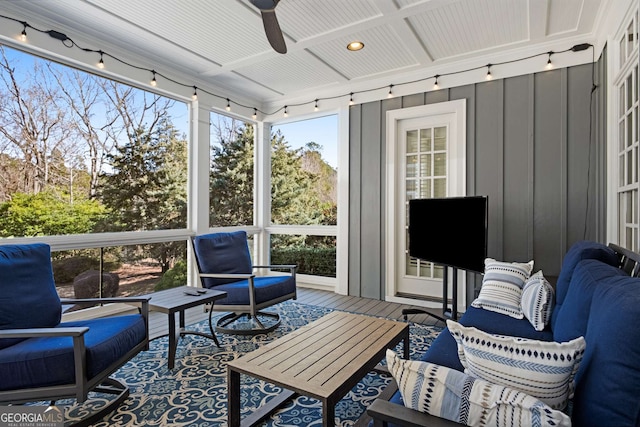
(174, 300)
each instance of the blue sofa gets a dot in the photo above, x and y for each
(597, 297)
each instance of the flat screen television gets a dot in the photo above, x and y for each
(450, 231)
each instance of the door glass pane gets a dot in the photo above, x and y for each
(412, 141)
(440, 164)
(440, 140)
(412, 189)
(440, 187)
(425, 165)
(412, 166)
(425, 140)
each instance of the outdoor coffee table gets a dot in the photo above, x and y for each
(324, 360)
(175, 300)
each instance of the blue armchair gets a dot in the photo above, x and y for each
(224, 263)
(44, 359)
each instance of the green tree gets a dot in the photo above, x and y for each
(146, 189)
(46, 214)
(231, 178)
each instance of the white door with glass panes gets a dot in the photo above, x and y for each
(429, 161)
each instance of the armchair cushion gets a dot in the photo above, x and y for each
(40, 362)
(542, 369)
(222, 253)
(26, 280)
(267, 288)
(458, 397)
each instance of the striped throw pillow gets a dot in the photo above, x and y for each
(542, 369)
(537, 301)
(502, 284)
(450, 394)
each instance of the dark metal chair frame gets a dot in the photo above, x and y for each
(79, 390)
(251, 310)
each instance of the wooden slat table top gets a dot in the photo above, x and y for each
(174, 299)
(321, 357)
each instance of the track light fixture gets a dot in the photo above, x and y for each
(70, 43)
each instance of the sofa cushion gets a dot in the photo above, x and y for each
(458, 397)
(26, 280)
(537, 301)
(571, 317)
(584, 249)
(608, 382)
(502, 284)
(541, 369)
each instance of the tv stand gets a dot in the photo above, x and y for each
(447, 313)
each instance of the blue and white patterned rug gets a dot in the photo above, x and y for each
(194, 393)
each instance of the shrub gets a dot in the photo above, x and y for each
(174, 277)
(310, 260)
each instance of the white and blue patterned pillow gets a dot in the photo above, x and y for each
(537, 301)
(450, 394)
(502, 287)
(542, 369)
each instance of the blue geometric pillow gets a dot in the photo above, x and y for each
(453, 395)
(502, 287)
(537, 301)
(542, 369)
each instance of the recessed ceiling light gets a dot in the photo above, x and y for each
(355, 45)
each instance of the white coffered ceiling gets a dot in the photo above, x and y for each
(220, 44)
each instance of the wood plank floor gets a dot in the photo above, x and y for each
(158, 322)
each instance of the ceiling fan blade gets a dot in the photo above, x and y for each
(273, 31)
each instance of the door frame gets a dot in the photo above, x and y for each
(393, 118)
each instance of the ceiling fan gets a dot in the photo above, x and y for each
(270, 22)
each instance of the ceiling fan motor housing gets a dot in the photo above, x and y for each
(265, 4)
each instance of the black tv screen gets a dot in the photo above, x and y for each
(449, 231)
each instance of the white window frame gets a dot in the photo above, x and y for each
(339, 284)
(619, 73)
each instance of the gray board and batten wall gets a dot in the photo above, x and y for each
(528, 148)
